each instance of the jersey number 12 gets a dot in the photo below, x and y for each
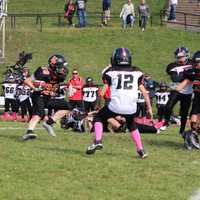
(125, 81)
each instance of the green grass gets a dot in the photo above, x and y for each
(90, 49)
(58, 169)
(51, 169)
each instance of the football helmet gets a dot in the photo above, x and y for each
(89, 81)
(121, 57)
(196, 57)
(191, 140)
(163, 86)
(57, 61)
(182, 54)
(57, 64)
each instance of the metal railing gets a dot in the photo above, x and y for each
(60, 16)
(185, 16)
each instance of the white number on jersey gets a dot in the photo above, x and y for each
(162, 97)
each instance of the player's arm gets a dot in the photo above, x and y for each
(28, 81)
(147, 100)
(181, 85)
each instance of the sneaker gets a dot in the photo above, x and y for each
(142, 154)
(49, 129)
(163, 128)
(29, 136)
(93, 147)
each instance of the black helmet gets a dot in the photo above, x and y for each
(196, 57)
(163, 86)
(121, 57)
(57, 64)
(89, 80)
(57, 61)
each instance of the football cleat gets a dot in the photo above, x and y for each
(49, 129)
(163, 128)
(29, 136)
(93, 147)
(142, 154)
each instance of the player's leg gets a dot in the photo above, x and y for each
(62, 108)
(185, 101)
(38, 114)
(6, 109)
(173, 99)
(194, 112)
(99, 119)
(135, 135)
(15, 108)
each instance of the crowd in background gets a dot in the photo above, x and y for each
(127, 14)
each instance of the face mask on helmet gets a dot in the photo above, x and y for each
(61, 73)
(181, 55)
(121, 57)
(163, 86)
(56, 61)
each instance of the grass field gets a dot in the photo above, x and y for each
(58, 168)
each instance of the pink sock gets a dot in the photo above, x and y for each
(98, 129)
(135, 135)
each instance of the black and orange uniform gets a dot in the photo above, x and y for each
(43, 99)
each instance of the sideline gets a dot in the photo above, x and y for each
(17, 128)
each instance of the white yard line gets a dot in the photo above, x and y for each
(196, 195)
(17, 128)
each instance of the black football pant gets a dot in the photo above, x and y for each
(161, 111)
(26, 106)
(11, 103)
(185, 101)
(141, 110)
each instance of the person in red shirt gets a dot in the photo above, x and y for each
(75, 85)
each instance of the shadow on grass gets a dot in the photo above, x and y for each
(66, 151)
(77, 152)
(12, 137)
(166, 143)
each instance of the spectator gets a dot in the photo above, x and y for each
(70, 9)
(81, 12)
(76, 85)
(172, 6)
(106, 5)
(143, 11)
(127, 14)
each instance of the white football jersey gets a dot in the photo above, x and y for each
(23, 92)
(162, 97)
(124, 89)
(10, 90)
(90, 93)
(141, 97)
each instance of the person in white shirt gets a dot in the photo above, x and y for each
(172, 6)
(127, 14)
